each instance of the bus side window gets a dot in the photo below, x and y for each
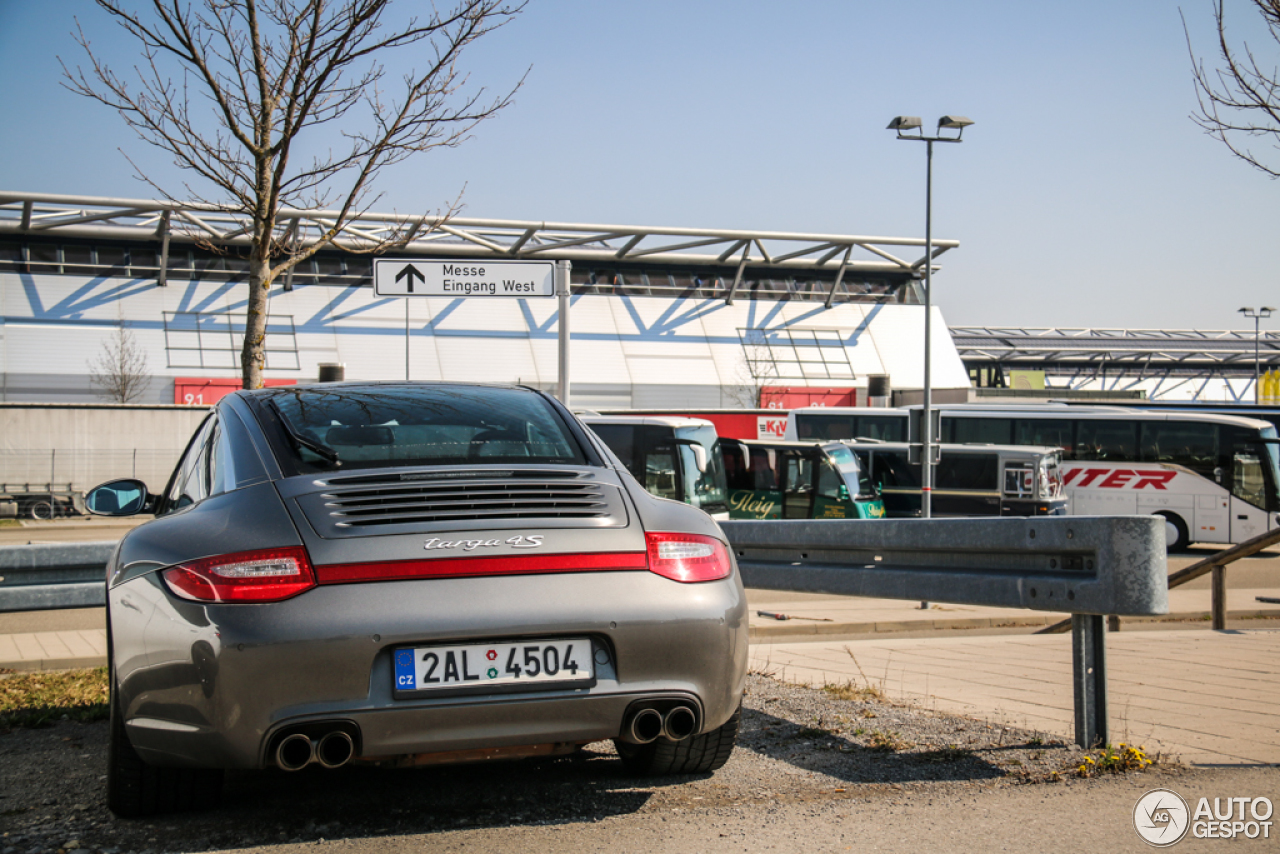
(1054, 432)
(736, 471)
(1106, 440)
(621, 439)
(968, 472)
(893, 470)
(821, 428)
(881, 427)
(1184, 443)
(1018, 480)
(660, 476)
(986, 431)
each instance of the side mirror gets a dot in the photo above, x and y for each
(700, 457)
(119, 498)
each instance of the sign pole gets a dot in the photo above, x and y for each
(562, 291)
(406, 340)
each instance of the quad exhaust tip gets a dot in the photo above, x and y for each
(335, 749)
(295, 752)
(679, 723)
(646, 725)
(331, 750)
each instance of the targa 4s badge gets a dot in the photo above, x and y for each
(520, 541)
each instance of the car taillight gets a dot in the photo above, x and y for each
(268, 575)
(688, 557)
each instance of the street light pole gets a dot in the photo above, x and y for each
(908, 123)
(926, 426)
(1265, 311)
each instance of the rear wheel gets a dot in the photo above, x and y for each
(698, 754)
(136, 789)
(1176, 537)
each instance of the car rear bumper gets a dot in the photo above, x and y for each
(213, 685)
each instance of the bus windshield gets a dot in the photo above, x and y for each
(855, 476)
(705, 484)
(1255, 472)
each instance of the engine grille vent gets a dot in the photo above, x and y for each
(400, 502)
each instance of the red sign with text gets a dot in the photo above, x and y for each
(793, 397)
(205, 391)
(1111, 478)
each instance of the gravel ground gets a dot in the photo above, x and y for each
(797, 745)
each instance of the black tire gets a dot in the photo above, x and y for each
(1181, 538)
(42, 510)
(698, 754)
(136, 789)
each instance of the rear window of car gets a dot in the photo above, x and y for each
(417, 425)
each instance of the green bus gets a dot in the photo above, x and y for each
(796, 480)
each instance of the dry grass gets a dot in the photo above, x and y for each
(852, 691)
(38, 699)
(888, 742)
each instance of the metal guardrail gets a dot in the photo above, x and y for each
(48, 577)
(1088, 566)
(1215, 563)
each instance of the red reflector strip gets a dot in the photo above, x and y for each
(467, 567)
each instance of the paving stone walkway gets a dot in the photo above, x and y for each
(1206, 697)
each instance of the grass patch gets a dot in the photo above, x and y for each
(852, 691)
(40, 698)
(887, 742)
(10, 523)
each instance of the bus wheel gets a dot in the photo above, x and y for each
(1176, 538)
(42, 510)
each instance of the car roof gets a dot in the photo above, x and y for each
(377, 385)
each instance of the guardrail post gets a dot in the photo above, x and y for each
(1089, 672)
(1219, 585)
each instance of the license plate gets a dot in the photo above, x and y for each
(481, 667)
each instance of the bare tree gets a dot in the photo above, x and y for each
(1240, 100)
(120, 370)
(756, 370)
(263, 85)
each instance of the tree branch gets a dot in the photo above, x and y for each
(1240, 100)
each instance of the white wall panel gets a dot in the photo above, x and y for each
(899, 336)
(54, 324)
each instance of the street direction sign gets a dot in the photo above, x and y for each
(413, 277)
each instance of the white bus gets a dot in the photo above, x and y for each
(671, 457)
(1213, 477)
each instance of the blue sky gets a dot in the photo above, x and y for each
(1082, 196)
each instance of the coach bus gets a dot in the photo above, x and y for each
(1213, 477)
(969, 480)
(676, 458)
(796, 480)
(1262, 412)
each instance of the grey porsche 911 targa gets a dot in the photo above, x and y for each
(409, 573)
